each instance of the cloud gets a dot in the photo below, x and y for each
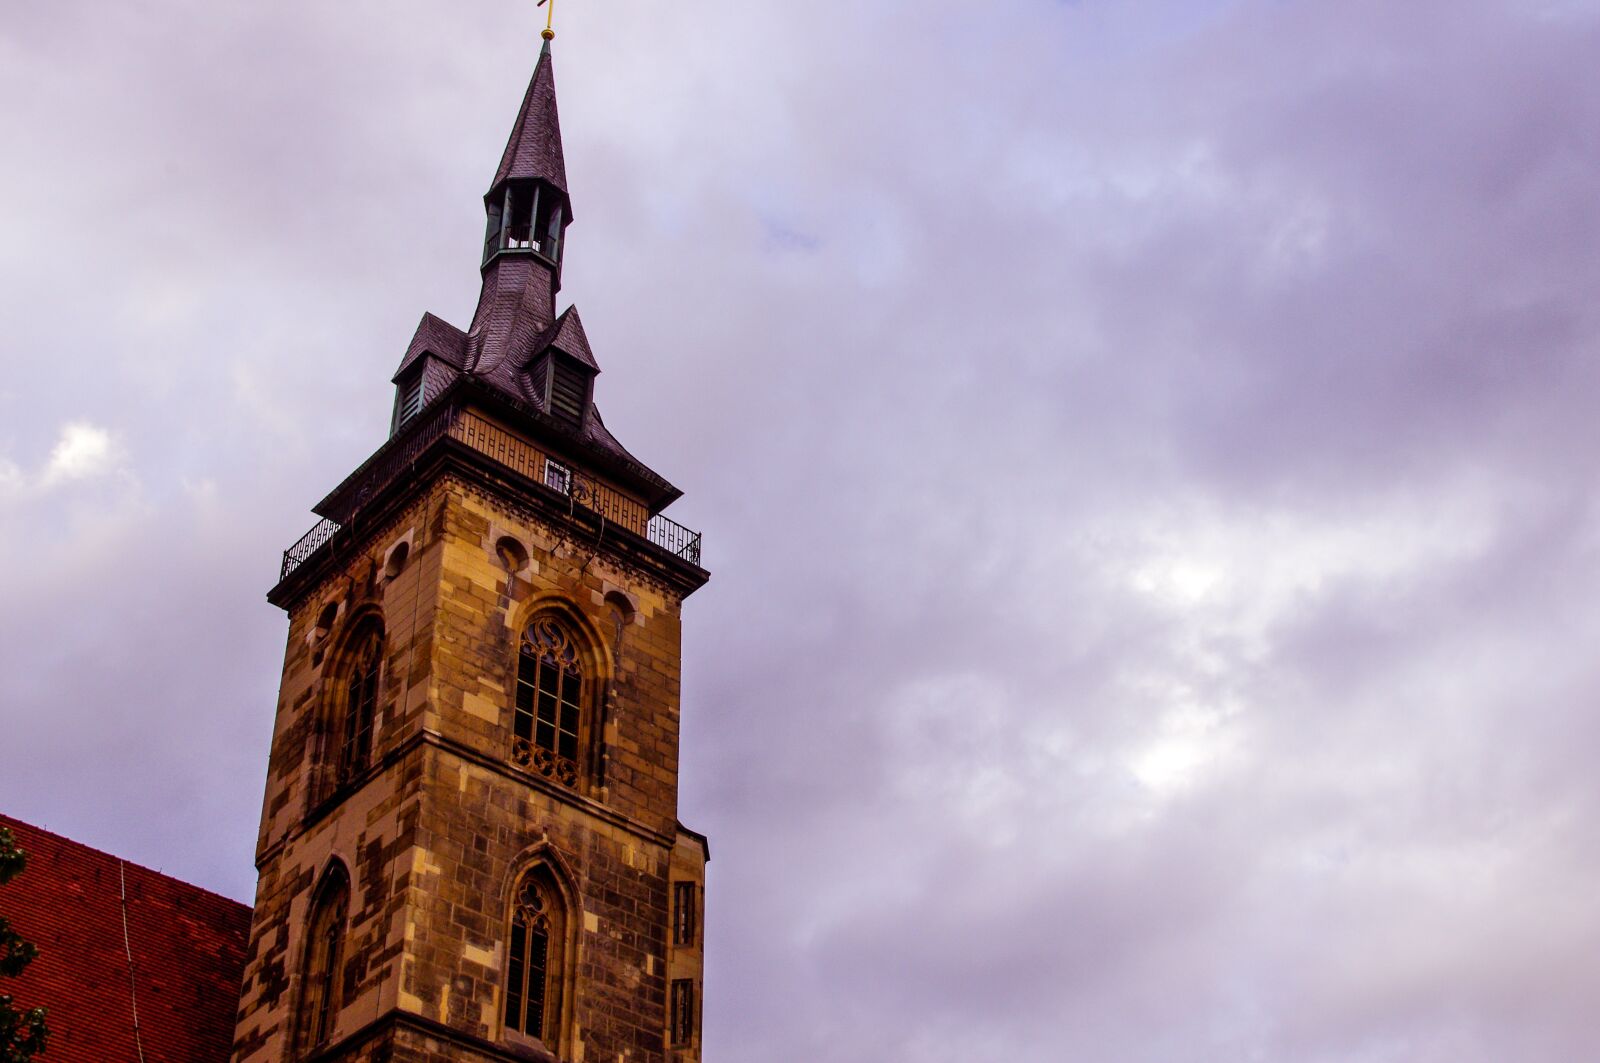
(12, 479)
(1145, 452)
(83, 451)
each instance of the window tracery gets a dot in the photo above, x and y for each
(535, 960)
(324, 954)
(548, 721)
(360, 698)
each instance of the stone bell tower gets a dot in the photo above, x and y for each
(469, 844)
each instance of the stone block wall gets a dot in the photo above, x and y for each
(368, 826)
(437, 834)
(686, 954)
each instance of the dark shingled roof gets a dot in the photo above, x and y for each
(569, 337)
(515, 320)
(439, 338)
(595, 431)
(514, 312)
(187, 946)
(534, 149)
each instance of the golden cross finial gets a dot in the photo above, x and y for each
(548, 33)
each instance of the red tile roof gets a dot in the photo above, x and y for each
(187, 947)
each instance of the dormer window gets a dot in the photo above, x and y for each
(567, 390)
(563, 387)
(527, 217)
(409, 397)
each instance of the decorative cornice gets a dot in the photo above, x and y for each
(433, 739)
(390, 1020)
(538, 782)
(447, 456)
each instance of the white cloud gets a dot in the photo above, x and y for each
(83, 451)
(1143, 597)
(1191, 739)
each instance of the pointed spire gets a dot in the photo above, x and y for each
(527, 212)
(534, 150)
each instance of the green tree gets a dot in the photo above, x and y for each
(22, 1033)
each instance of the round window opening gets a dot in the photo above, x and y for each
(511, 554)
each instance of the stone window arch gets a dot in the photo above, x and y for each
(352, 696)
(553, 710)
(538, 958)
(322, 972)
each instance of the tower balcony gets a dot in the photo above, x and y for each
(453, 426)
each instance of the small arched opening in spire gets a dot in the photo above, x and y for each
(527, 201)
(528, 216)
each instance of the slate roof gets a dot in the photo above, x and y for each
(509, 370)
(515, 310)
(187, 947)
(534, 150)
(569, 336)
(439, 338)
(515, 320)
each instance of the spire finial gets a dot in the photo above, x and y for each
(548, 33)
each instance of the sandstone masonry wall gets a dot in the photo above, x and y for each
(437, 833)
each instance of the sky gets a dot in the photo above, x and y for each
(1147, 456)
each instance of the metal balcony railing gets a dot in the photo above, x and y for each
(520, 456)
(308, 544)
(674, 538)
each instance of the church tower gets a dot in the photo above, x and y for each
(469, 845)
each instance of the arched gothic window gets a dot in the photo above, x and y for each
(548, 726)
(324, 960)
(535, 959)
(359, 697)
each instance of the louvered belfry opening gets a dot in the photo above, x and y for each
(408, 401)
(563, 386)
(525, 216)
(569, 390)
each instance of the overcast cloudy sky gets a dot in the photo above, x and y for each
(1148, 455)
